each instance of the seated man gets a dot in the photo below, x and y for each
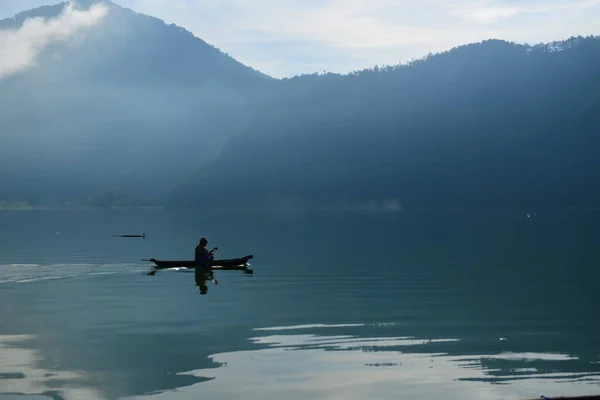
(202, 259)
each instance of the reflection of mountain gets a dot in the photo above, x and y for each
(358, 367)
(550, 367)
(293, 363)
(41, 377)
(500, 360)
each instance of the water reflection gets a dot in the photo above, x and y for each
(315, 365)
(337, 361)
(202, 278)
(20, 376)
(444, 308)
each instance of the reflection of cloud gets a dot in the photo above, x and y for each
(304, 366)
(342, 342)
(308, 326)
(21, 376)
(19, 48)
(532, 356)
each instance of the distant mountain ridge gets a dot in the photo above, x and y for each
(486, 124)
(138, 112)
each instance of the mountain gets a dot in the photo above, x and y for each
(125, 111)
(487, 124)
(119, 113)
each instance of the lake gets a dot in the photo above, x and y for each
(342, 305)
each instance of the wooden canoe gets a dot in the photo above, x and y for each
(229, 264)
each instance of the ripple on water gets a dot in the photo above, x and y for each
(340, 361)
(29, 273)
(301, 361)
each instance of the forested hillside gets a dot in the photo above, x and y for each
(487, 124)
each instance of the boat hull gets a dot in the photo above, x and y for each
(229, 264)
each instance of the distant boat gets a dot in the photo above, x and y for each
(143, 235)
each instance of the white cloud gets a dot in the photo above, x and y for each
(492, 11)
(489, 14)
(20, 47)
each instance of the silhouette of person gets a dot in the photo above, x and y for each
(202, 258)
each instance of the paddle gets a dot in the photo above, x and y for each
(212, 274)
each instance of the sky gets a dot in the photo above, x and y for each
(290, 37)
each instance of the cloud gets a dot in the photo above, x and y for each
(487, 12)
(20, 47)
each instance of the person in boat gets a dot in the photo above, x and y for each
(201, 259)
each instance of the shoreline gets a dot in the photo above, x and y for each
(76, 208)
(380, 209)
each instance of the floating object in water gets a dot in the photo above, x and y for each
(143, 235)
(215, 264)
(234, 264)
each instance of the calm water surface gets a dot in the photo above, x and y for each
(430, 305)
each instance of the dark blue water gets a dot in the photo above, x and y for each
(341, 305)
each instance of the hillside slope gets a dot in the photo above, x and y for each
(486, 124)
(130, 105)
